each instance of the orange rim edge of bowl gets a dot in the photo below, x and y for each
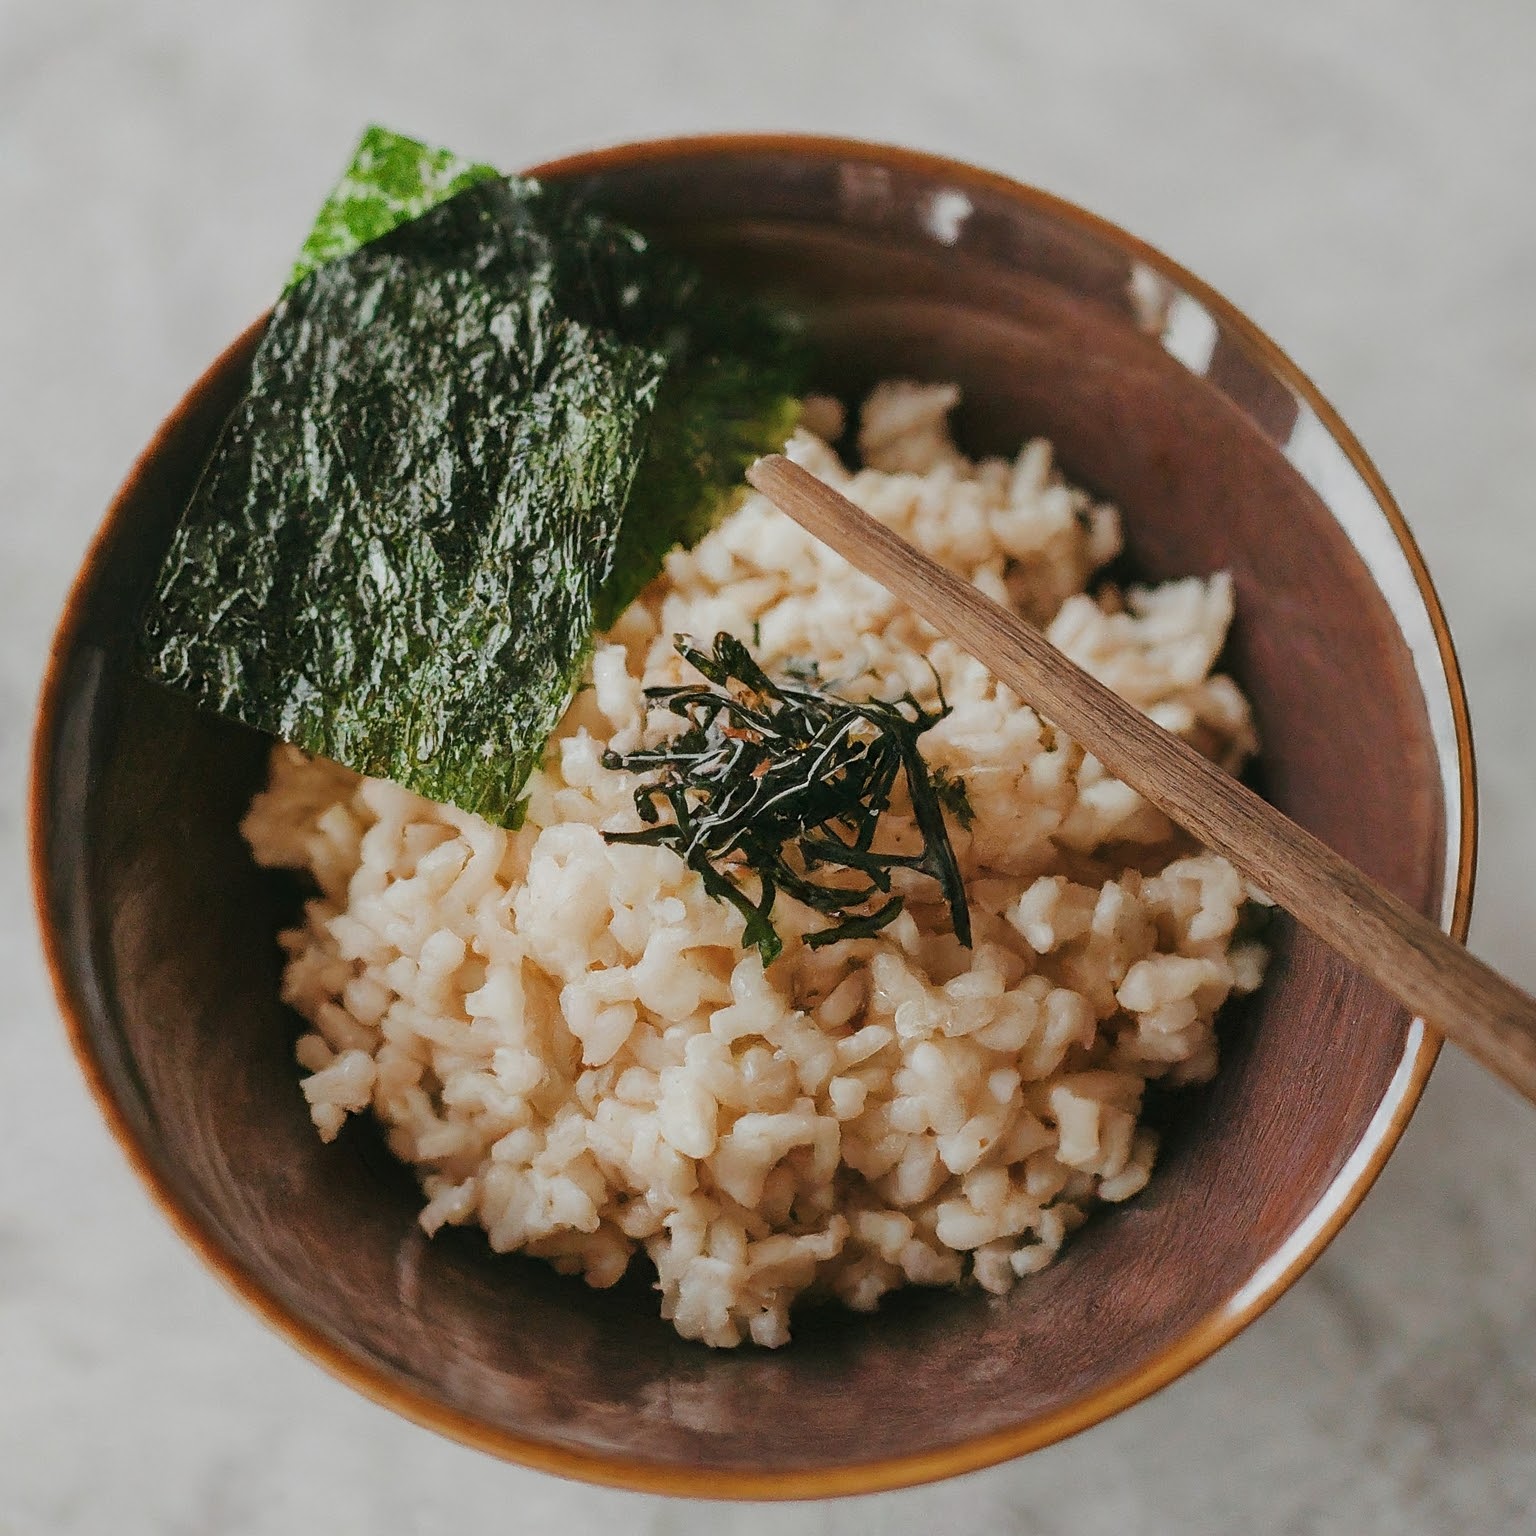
(1214, 1330)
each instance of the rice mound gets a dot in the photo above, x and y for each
(568, 1041)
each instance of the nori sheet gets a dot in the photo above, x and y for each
(735, 366)
(471, 435)
(394, 556)
(731, 394)
(391, 180)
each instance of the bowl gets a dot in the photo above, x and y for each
(1161, 398)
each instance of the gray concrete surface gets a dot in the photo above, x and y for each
(1356, 174)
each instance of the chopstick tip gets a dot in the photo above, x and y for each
(761, 470)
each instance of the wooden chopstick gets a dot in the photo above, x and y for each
(1404, 952)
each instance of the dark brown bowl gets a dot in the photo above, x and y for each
(1160, 397)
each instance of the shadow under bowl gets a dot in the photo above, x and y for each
(1221, 456)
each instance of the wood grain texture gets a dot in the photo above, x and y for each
(159, 929)
(1403, 951)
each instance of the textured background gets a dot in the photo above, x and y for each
(1354, 173)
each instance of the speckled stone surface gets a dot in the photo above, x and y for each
(1354, 173)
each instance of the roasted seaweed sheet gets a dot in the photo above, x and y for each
(390, 181)
(467, 444)
(394, 557)
(735, 366)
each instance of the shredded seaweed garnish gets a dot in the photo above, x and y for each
(778, 779)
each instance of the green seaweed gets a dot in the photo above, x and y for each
(476, 422)
(391, 180)
(779, 779)
(735, 369)
(732, 394)
(394, 557)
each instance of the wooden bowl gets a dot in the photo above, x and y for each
(1160, 397)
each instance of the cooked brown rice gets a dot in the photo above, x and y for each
(567, 1040)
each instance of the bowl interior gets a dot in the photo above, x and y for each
(163, 930)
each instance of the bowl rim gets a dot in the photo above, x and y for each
(1295, 1254)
